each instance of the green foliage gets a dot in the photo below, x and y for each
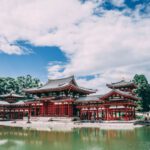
(17, 85)
(143, 91)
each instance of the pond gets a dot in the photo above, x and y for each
(78, 139)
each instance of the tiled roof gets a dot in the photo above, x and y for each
(11, 95)
(7, 103)
(56, 84)
(126, 94)
(89, 98)
(121, 83)
(18, 103)
(4, 103)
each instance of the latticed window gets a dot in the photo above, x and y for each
(42, 95)
(77, 96)
(70, 94)
(54, 94)
(50, 94)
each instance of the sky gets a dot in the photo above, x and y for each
(98, 41)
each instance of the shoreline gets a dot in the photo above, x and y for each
(68, 125)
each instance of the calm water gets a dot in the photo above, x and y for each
(78, 139)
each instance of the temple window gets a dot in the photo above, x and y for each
(54, 94)
(50, 94)
(42, 95)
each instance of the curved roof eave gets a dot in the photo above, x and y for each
(39, 90)
(121, 93)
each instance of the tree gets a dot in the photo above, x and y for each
(143, 91)
(17, 85)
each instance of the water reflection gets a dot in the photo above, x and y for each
(78, 139)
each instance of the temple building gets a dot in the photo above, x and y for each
(65, 98)
(12, 106)
(57, 97)
(120, 102)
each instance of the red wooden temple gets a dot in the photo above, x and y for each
(11, 107)
(64, 98)
(57, 97)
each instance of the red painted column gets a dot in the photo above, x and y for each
(107, 113)
(62, 109)
(14, 115)
(61, 114)
(115, 115)
(126, 113)
(10, 114)
(35, 109)
(29, 113)
(54, 108)
(3, 112)
(23, 113)
(42, 110)
(80, 113)
(68, 109)
(88, 114)
(18, 113)
(97, 118)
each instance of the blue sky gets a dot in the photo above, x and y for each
(99, 41)
(35, 63)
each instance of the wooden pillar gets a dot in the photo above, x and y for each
(88, 114)
(29, 113)
(71, 110)
(120, 116)
(14, 115)
(97, 118)
(3, 112)
(62, 109)
(18, 114)
(23, 112)
(106, 112)
(132, 113)
(10, 114)
(126, 113)
(52, 108)
(68, 110)
(35, 109)
(80, 113)
(42, 110)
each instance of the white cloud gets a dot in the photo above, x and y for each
(117, 2)
(112, 45)
(10, 48)
(56, 69)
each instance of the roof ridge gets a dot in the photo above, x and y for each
(128, 93)
(122, 81)
(60, 79)
(72, 77)
(87, 88)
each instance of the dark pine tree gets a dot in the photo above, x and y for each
(143, 91)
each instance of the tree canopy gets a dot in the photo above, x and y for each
(8, 84)
(143, 91)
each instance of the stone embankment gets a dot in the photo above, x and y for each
(66, 124)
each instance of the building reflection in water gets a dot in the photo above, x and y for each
(81, 139)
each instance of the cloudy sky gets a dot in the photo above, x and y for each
(99, 41)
